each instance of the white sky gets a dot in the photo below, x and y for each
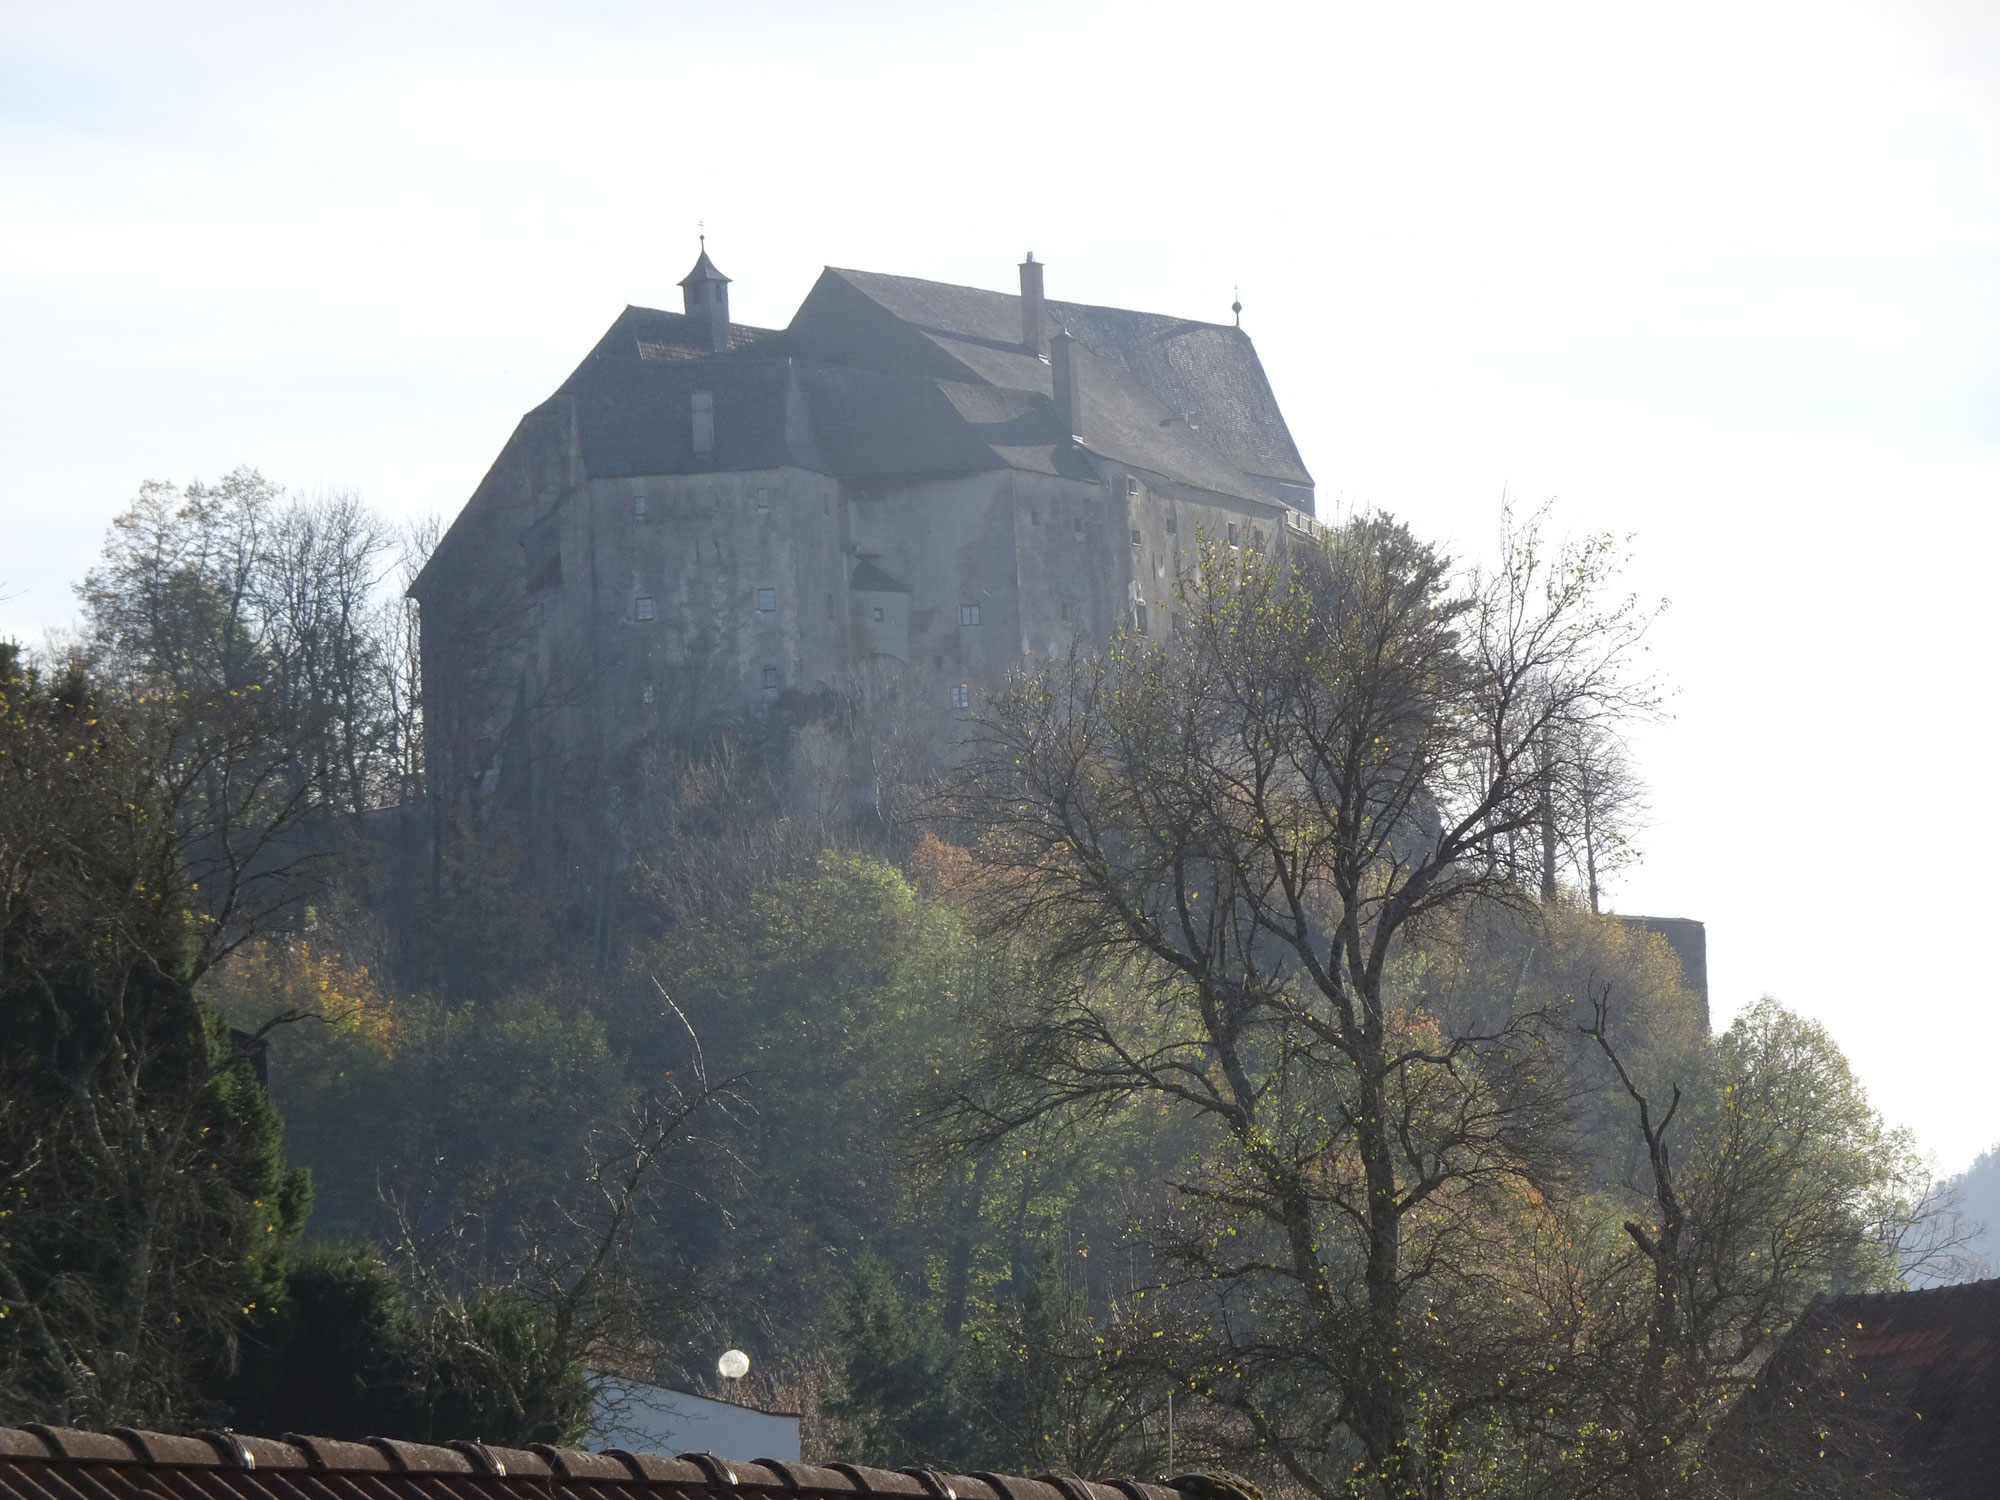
(1723, 276)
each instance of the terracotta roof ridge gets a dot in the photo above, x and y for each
(471, 1469)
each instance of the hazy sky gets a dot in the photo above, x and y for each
(1722, 276)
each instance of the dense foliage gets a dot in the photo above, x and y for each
(1229, 1067)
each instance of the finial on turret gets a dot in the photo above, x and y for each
(1237, 307)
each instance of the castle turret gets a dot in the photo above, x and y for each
(705, 298)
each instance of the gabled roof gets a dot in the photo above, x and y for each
(1206, 374)
(895, 376)
(55, 1463)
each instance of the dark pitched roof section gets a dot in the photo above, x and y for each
(897, 376)
(1207, 374)
(53, 1463)
(1917, 1371)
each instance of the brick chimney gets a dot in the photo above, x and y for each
(1031, 306)
(1069, 395)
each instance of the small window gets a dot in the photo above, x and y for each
(1139, 618)
(1170, 523)
(1159, 565)
(639, 506)
(770, 679)
(767, 600)
(642, 607)
(1034, 518)
(646, 690)
(1173, 624)
(763, 499)
(1232, 533)
(701, 419)
(876, 612)
(1135, 536)
(961, 696)
(1079, 525)
(968, 614)
(1131, 487)
(1065, 614)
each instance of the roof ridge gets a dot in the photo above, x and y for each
(479, 1469)
(1051, 302)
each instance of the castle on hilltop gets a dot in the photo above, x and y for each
(914, 483)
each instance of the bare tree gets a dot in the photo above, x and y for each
(1249, 826)
(568, 1266)
(1607, 805)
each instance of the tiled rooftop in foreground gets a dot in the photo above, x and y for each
(56, 1463)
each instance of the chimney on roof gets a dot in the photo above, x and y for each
(705, 299)
(1031, 306)
(1069, 398)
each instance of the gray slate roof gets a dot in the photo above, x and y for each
(886, 376)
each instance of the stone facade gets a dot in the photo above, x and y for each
(914, 485)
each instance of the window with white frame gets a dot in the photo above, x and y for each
(968, 614)
(961, 695)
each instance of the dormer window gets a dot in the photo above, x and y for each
(701, 415)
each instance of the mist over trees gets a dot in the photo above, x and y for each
(1228, 1025)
